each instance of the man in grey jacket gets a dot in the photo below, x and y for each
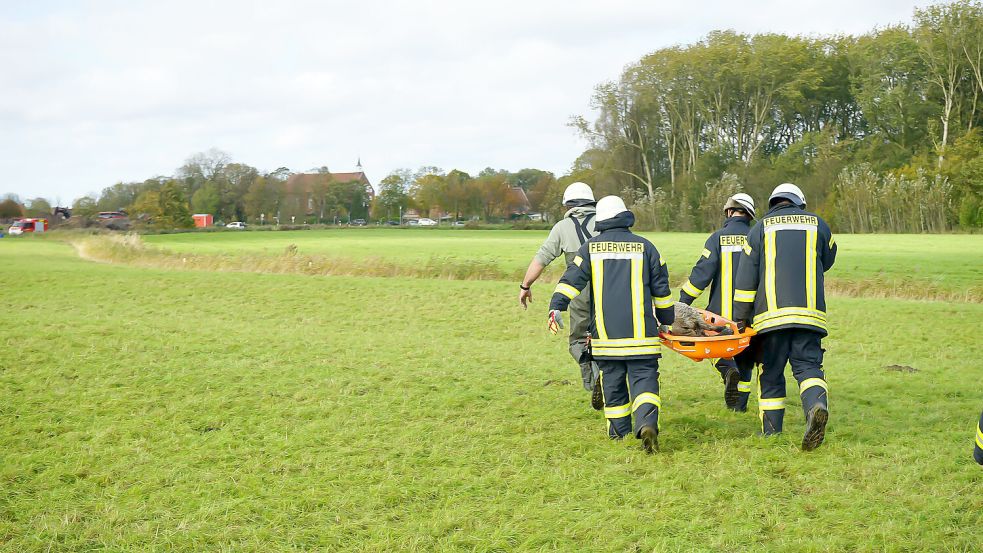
(565, 238)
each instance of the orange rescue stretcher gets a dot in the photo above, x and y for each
(712, 346)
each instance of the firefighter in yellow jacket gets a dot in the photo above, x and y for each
(715, 269)
(779, 290)
(627, 276)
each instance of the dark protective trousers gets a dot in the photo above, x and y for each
(630, 387)
(978, 449)
(803, 350)
(745, 368)
(579, 330)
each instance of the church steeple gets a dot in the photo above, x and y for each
(358, 164)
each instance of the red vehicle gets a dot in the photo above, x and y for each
(21, 226)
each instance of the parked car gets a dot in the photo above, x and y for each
(392, 223)
(412, 223)
(427, 222)
(358, 223)
(459, 224)
(236, 225)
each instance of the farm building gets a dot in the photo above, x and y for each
(308, 194)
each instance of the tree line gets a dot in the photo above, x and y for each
(211, 182)
(858, 122)
(863, 124)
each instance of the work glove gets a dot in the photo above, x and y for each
(556, 320)
(665, 329)
(741, 325)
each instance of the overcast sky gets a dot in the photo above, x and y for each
(93, 93)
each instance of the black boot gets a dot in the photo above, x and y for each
(650, 439)
(815, 427)
(732, 378)
(596, 394)
(596, 397)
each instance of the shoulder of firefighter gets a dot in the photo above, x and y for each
(628, 277)
(568, 235)
(717, 267)
(779, 281)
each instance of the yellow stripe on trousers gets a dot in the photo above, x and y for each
(810, 382)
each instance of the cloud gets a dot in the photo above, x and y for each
(96, 93)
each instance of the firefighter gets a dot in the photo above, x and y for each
(978, 449)
(716, 268)
(779, 291)
(626, 275)
(565, 238)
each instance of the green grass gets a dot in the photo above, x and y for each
(916, 266)
(148, 409)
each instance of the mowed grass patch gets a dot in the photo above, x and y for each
(178, 410)
(945, 267)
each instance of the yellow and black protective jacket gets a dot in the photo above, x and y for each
(780, 277)
(627, 275)
(717, 267)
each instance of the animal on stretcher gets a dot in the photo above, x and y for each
(691, 322)
(700, 334)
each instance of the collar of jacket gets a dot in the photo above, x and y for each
(737, 219)
(624, 220)
(783, 206)
(580, 212)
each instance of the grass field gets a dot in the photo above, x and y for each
(875, 265)
(155, 409)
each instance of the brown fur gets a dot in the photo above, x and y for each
(690, 322)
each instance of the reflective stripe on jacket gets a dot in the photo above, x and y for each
(717, 267)
(780, 277)
(627, 276)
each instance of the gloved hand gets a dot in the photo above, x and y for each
(741, 325)
(556, 320)
(665, 329)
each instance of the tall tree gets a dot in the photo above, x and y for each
(262, 200)
(428, 190)
(38, 207)
(938, 32)
(888, 80)
(393, 194)
(207, 199)
(10, 209)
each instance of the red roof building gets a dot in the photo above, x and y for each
(305, 186)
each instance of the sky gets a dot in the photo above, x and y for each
(99, 92)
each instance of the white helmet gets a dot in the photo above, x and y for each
(578, 191)
(740, 201)
(789, 192)
(609, 206)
